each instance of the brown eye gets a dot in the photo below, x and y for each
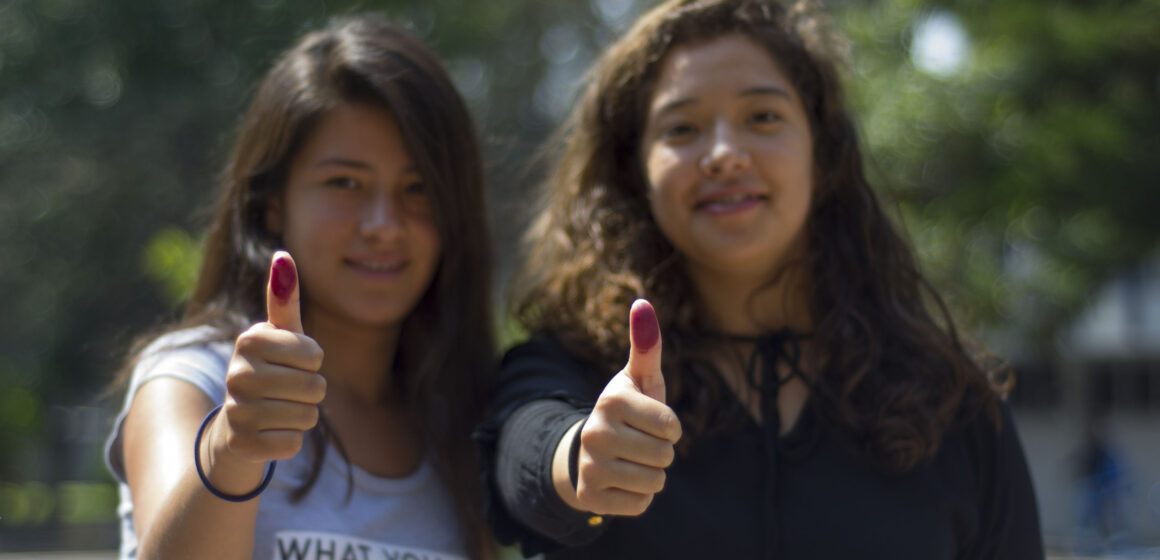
(342, 183)
(765, 117)
(681, 130)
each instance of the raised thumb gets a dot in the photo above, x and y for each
(644, 355)
(282, 307)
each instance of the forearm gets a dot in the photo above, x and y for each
(532, 471)
(192, 523)
(175, 516)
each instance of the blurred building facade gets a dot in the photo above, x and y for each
(1104, 380)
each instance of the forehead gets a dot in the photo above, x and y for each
(733, 62)
(355, 130)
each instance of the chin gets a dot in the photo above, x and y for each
(378, 319)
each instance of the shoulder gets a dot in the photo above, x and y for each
(200, 337)
(546, 354)
(543, 367)
(542, 346)
(199, 355)
(988, 445)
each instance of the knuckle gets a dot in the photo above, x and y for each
(587, 471)
(657, 482)
(595, 438)
(291, 449)
(587, 496)
(242, 444)
(314, 355)
(316, 388)
(667, 454)
(235, 415)
(638, 504)
(612, 404)
(310, 416)
(670, 425)
(249, 340)
(285, 445)
(237, 378)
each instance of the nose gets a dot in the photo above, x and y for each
(380, 216)
(726, 154)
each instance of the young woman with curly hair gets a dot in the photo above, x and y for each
(811, 397)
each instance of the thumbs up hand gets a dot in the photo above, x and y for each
(628, 440)
(272, 386)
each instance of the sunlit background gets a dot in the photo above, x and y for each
(1017, 141)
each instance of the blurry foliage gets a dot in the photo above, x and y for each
(36, 503)
(1025, 177)
(172, 259)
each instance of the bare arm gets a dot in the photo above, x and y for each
(175, 517)
(272, 393)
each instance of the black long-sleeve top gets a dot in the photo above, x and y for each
(749, 493)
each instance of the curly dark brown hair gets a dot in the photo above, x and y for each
(893, 369)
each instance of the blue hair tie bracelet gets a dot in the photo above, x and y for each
(205, 481)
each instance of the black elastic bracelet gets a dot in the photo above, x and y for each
(205, 481)
(574, 455)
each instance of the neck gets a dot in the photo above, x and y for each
(750, 307)
(357, 357)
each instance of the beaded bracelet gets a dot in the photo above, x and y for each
(205, 481)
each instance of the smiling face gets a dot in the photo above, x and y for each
(358, 220)
(729, 160)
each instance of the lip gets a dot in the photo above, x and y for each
(729, 200)
(378, 267)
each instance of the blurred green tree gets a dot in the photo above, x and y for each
(1020, 141)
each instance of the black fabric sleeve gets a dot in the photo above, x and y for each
(523, 472)
(541, 392)
(1010, 514)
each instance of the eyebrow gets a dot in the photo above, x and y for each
(342, 162)
(355, 164)
(756, 90)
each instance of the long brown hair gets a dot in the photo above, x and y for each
(893, 369)
(446, 349)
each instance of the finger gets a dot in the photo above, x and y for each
(274, 445)
(622, 403)
(612, 501)
(271, 415)
(278, 383)
(624, 475)
(282, 307)
(644, 356)
(629, 444)
(264, 343)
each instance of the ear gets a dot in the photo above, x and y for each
(275, 215)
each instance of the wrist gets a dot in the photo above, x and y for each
(561, 476)
(224, 473)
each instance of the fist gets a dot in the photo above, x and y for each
(628, 440)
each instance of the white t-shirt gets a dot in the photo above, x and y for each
(411, 518)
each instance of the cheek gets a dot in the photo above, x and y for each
(426, 240)
(663, 167)
(666, 215)
(670, 175)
